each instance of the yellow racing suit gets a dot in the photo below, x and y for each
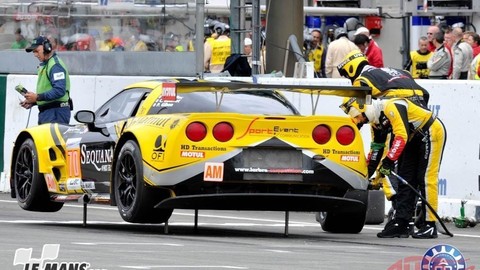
(418, 145)
(388, 83)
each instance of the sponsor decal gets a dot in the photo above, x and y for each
(213, 172)
(47, 260)
(73, 143)
(275, 131)
(169, 91)
(149, 120)
(396, 148)
(73, 163)
(88, 185)
(208, 148)
(341, 152)
(76, 130)
(51, 183)
(159, 148)
(202, 148)
(278, 129)
(273, 170)
(101, 159)
(349, 158)
(192, 154)
(74, 184)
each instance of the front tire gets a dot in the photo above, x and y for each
(30, 187)
(134, 200)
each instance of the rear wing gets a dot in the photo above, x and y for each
(363, 94)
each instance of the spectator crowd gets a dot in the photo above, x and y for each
(444, 53)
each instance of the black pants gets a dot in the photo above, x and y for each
(412, 167)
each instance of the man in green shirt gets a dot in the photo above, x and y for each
(53, 85)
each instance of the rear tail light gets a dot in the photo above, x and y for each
(196, 131)
(345, 135)
(223, 131)
(321, 134)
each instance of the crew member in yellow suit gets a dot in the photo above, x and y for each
(418, 60)
(379, 136)
(217, 51)
(317, 53)
(385, 82)
(418, 145)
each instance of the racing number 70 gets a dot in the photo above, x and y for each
(73, 161)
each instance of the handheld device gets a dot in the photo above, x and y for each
(20, 89)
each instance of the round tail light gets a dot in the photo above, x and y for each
(345, 135)
(321, 134)
(196, 131)
(223, 131)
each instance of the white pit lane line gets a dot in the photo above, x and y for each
(275, 223)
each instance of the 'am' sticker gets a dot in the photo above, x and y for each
(213, 172)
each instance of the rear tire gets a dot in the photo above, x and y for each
(345, 220)
(341, 222)
(30, 187)
(135, 201)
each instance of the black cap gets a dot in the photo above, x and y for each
(40, 40)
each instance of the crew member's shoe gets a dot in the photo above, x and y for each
(428, 231)
(395, 228)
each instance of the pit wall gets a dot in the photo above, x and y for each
(457, 104)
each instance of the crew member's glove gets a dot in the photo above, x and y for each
(376, 182)
(387, 167)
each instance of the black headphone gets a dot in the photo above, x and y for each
(47, 46)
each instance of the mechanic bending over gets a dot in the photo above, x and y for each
(379, 136)
(53, 85)
(385, 83)
(418, 144)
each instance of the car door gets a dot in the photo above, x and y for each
(96, 147)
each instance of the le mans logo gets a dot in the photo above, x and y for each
(23, 256)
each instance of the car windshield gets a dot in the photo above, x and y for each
(265, 102)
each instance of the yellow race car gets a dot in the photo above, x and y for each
(193, 144)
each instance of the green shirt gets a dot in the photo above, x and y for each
(22, 44)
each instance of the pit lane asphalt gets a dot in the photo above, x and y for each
(224, 240)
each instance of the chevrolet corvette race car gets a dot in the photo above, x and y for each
(193, 144)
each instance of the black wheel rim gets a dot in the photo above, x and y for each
(127, 181)
(24, 173)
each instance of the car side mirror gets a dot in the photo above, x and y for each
(85, 117)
